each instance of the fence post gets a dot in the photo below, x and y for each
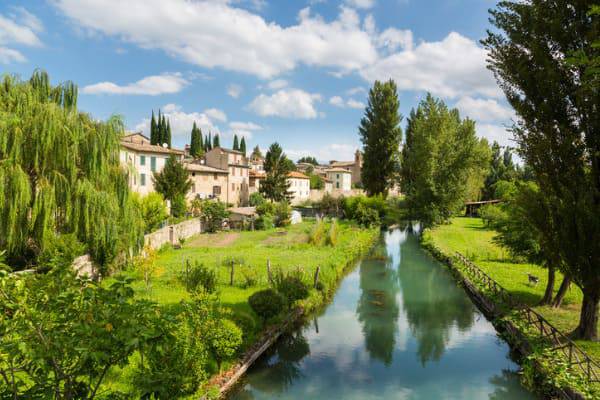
(317, 276)
(270, 277)
(232, 271)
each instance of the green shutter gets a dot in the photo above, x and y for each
(142, 160)
(153, 164)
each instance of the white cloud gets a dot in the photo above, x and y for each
(355, 104)
(234, 90)
(450, 68)
(277, 84)
(216, 114)
(286, 103)
(486, 110)
(182, 122)
(150, 85)
(360, 3)
(244, 128)
(351, 103)
(217, 34)
(356, 90)
(496, 133)
(21, 28)
(336, 101)
(393, 38)
(326, 152)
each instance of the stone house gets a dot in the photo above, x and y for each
(341, 179)
(354, 167)
(207, 182)
(299, 187)
(238, 168)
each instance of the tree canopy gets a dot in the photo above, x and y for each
(243, 145)
(173, 181)
(381, 135)
(308, 160)
(275, 185)
(196, 145)
(60, 174)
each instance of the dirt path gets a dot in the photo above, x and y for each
(221, 239)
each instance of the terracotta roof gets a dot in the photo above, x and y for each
(149, 148)
(228, 150)
(342, 163)
(203, 168)
(338, 170)
(297, 175)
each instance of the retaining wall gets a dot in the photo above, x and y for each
(172, 233)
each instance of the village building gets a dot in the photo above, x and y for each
(255, 177)
(238, 168)
(142, 160)
(257, 163)
(299, 187)
(354, 167)
(341, 179)
(207, 182)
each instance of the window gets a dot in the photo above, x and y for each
(142, 179)
(337, 176)
(216, 190)
(193, 174)
(153, 164)
(337, 185)
(142, 160)
(215, 176)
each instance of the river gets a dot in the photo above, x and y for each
(398, 328)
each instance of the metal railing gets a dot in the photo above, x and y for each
(577, 358)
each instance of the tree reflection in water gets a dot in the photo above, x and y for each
(507, 387)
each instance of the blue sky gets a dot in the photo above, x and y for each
(296, 72)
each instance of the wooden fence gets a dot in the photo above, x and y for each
(577, 358)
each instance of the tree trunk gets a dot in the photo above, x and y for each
(588, 319)
(562, 291)
(547, 299)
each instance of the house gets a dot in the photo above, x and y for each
(207, 182)
(238, 168)
(255, 177)
(142, 159)
(340, 178)
(299, 187)
(354, 167)
(257, 163)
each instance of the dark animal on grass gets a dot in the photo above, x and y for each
(533, 279)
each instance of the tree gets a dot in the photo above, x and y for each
(381, 135)
(316, 181)
(209, 142)
(256, 153)
(308, 160)
(236, 145)
(153, 130)
(196, 145)
(441, 154)
(60, 174)
(154, 211)
(168, 134)
(243, 145)
(173, 180)
(558, 126)
(275, 185)
(213, 212)
(216, 141)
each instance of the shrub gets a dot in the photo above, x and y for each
(283, 213)
(197, 277)
(330, 205)
(196, 207)
(292, 288)
(246, 323)
(351, 205)
(224, 339)
(366, 217)
(491, 214)
(178, 206)
(213, 212)
(256, 199)
(60, 250)
(265, 208)
(267, 303)
(332, 236)
(265, 221)
(250, 277)
(154, 211)
(317, 233)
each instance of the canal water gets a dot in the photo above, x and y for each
(398, 328)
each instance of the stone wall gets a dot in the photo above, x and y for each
(172, 233)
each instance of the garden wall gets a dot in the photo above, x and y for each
(172, 233)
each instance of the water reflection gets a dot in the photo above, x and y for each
(398, 328)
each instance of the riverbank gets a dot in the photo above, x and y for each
(471, 238)
(250, 252)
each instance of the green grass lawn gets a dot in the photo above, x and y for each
(470, 237)
(286, 249)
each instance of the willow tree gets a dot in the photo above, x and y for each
(60, 173)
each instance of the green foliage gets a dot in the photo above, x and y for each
(64, 334)
(491, 214)
(308, 160)
(178, 206)
(501, 168)
(265, 208)
(332, 235)
(256, 199)
(317, 233)
(256, 153)
(381, 136)
(267, 303)
(198, 277)
(442, 155)
(172, 181)
(316, 181)
(265, 221)
(60, 250)
(213, 212)
(154, 211)
(329, 205)
(224, 340)
(275, 185)
(250, 276)
(291, 286)
(60, 173)
(282, 214)
(236, 143)
(367, 217)
(196, 145)
(377, 203)
(216, 141)
(243, 145)
(504, 190)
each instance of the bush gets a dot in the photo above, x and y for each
(224, 339)
(178, 206)
(265, 221)
(376, 203)
(60, 250)
(332, 236)
(246, 323)
(250, 277)
(292, 288)
(213, 212)
(330, 205)
(317, 233)
(256, 199)
(366, 217)
(491, 214)
(267, 303)
(283, 213)
(154, 211)
(266, 208)
(316, 181)
(198, 276)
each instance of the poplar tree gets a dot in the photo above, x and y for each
(243, 145)
(60, 174)
(381, 135)
(558, 128)
(236, 145)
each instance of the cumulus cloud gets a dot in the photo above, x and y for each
(217, 34)
(18, 27)
(216, 114)
(450, 68)
(496, 133)
(182, 122)
(355, 104)
(286, 103)
(244, 128)
(336, 101)
(277, 84)
(486, 110)
(356, 90)
(150, 85)
(326, 152)
(360, 3)
(392, 39)
(341, 103)
(234, 90)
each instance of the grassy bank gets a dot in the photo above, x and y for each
(470, 237)
(285, 249)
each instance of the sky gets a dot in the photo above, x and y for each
(296, 72)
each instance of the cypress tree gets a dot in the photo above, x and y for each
(153, 137)
(163, 130)
(201, 149)
(236, 145)
(194, 141)
(60, 174)
(209, 142)
(216, 141)
(168, 134)
(243, 145)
